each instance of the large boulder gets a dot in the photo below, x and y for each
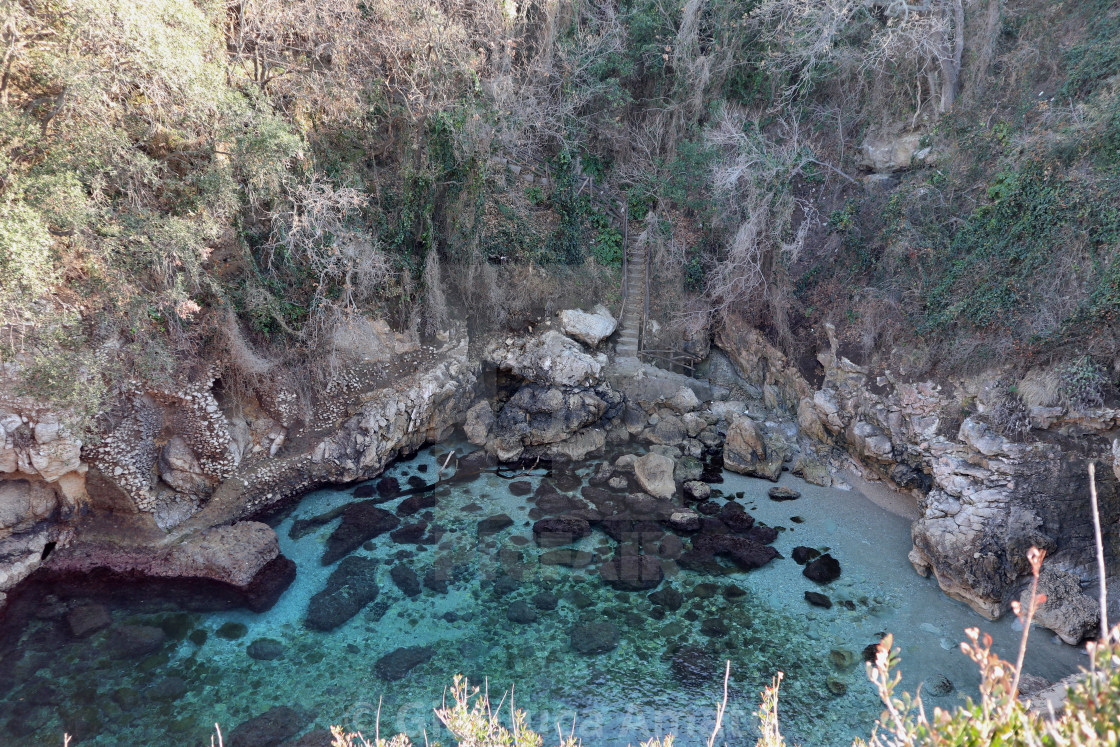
(1068, 611)
(589, 328)
(180, 469)
(654, 473)
(883, 153)
(745, 451)
(538, 415)
(550, 359)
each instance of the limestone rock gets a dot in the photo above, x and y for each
(179, 468)
(550, 359)
(744, 450)
(654, 473)
(887, 153)
(1068, 611)
(589, 328)
(479, 423)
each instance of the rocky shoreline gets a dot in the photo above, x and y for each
(166, 493)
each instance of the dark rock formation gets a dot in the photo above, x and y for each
(270, 728)
(561, 530)
(802, 555)
(350, 587)
(632, 572)
(406, 579)
(265, 649)
(395, 665)
(360, 523)
(594, 638)
(823, 570)
(818, 600)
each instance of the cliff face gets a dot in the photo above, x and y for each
(173, 464)
(984, 498)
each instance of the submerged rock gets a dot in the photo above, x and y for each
(669, 598)
(632, 572)
(406, 579)
(416, 503)
(818, 600)
(783, 493)
(350, 587)
(744, 552)
(409, 534)
(360, 523)
(494, 524)
(265, 649)
(521, 613)
(802, 555)
(134, 641)
(823, 570)
(937, 685)
(270, 728)
(520, 487)
(396, 664)
(567, 557)
(560, 530)
(594, 638)
(88, 619)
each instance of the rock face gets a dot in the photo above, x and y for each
(983, 499)
(1068, 611)
(654, 474)
(589, 328)
(886, 153)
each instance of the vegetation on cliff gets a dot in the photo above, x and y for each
(198, 182)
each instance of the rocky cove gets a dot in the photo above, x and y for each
(598, 532)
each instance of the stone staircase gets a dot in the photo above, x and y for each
(630, 324)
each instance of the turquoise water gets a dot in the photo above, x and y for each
(664, 676)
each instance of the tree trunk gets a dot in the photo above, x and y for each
(951, 66)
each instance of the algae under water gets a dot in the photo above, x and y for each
(481, 603)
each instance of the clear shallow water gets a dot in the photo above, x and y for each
(663, 677)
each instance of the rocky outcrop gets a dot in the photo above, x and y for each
(42, 485)
(985, 499)
(239, 562)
